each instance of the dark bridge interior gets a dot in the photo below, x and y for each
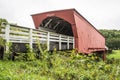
(57, 25)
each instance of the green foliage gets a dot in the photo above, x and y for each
(115, 54)
(3, 20)
(28, 48)
(25, 57)
(9, 45)
(112, 38)
(43, 52)
(9, 51)
(29, 56)
(58, 66)
(2, 42)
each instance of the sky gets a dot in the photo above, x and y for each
(102, 14)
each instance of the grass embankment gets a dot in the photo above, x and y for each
(61, 67)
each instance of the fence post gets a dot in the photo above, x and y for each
(68, 42)
(48, 41)
(31, 39)
(73, 42)
(7, 36)
(60, 42)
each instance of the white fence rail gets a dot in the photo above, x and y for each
(17, 34)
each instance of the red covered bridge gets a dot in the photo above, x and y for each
(87, 38)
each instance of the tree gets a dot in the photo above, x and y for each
(2, 21)
(2, 41)
(112, 38)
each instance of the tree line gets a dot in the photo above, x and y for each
(112, 38)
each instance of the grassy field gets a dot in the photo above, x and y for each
(61, 67)
(115, 54)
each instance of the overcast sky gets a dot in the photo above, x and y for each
(103, 14)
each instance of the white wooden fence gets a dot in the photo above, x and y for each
(17, 34)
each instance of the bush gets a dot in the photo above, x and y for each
(57, 66)
(25, 57)
(30, 56)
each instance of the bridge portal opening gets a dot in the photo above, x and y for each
(57, 25)
(60, 26)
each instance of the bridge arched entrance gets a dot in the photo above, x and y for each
(60, 26)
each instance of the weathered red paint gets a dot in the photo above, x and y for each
(87, 37)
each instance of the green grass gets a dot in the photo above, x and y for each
(21, 70)
(61, 67)
(115, 54)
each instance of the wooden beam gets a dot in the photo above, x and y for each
(60, 42)
(48, 41)
(68, 46)
(61, 29)
(48, 23)
(7, 36)
(31, 39)
(41, 25)
(104, 55)
(56, 25)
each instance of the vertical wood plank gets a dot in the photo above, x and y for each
(60, 42)
(31, 39)
(68, 42)
(48, 41)
(7, 36)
